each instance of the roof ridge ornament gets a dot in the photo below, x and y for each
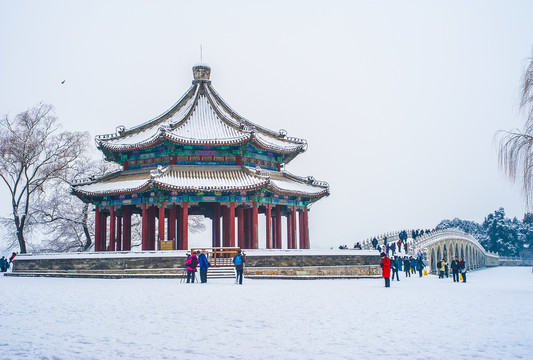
(201, 73)
(263, 173)
(157, 172)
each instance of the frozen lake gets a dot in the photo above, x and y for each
(489, 317)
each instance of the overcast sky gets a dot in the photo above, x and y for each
(399, 100)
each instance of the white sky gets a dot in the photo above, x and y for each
(398, 100)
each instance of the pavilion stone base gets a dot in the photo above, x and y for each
(171, 264)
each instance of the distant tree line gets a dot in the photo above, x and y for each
(497, 233)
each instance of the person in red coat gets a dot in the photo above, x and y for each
(385, 269)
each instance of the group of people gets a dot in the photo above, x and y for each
(199, 259)
(5, 264)
(402, 241)
(392, 246)
(411, 265)
(356, 246)
(457, 265)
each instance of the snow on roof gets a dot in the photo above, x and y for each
(198, 177)
(209, 178)
(201, 116)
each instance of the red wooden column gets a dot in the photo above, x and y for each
(289, 230)
(119, 233)
(97, 229)
(231, 225)
(104, 232)
(145, 236)
(268, 216)
(255, 232)
(112, 228)
(185, 226)
(225, 226)
(278, 227)
(294, 213)
(306, 228)
(301, 229)
(152, 211)
(179, 239)
(240, 226)
(274, 233)
(161, 234)
(246, 224)
(171, 225)
(216, 225)
(126, 214)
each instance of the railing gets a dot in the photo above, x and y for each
(218, 257)
(516, 258)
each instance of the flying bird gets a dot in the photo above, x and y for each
(62, 82)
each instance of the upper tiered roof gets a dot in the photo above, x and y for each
(201, 117)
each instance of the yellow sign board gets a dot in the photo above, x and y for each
(166, 245)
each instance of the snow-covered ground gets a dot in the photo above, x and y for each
(489, 317)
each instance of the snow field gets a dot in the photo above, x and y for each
(488, 317)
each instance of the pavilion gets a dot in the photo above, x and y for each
(200, 158)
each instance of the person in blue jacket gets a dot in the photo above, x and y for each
(239, 261)
(204, 265)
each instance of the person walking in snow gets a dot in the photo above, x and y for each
(192, 263)
(412, 264)
(442, 267)
(446, 270)
(4, 265)
(204, 265)
(407, 266)
(462, 269)
(385, 268)
(395, 265)
(420, 265)
(455, 269)
(239, 261)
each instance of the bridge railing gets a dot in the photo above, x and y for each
(439, 235)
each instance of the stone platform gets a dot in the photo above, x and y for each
(264, 264)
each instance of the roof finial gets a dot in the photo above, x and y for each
(201, 73)
(201, 57)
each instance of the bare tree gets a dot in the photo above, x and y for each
(66, 221)
(33, 153)
(516, 147)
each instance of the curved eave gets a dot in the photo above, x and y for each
(88, 194)
(277, 190)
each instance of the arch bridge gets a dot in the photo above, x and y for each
(445, 244)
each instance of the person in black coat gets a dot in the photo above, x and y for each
(407, 266)
(462, 269)
(455, 269)
(374, 243)
(395, 266)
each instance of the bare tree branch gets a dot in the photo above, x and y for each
(515, 155)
